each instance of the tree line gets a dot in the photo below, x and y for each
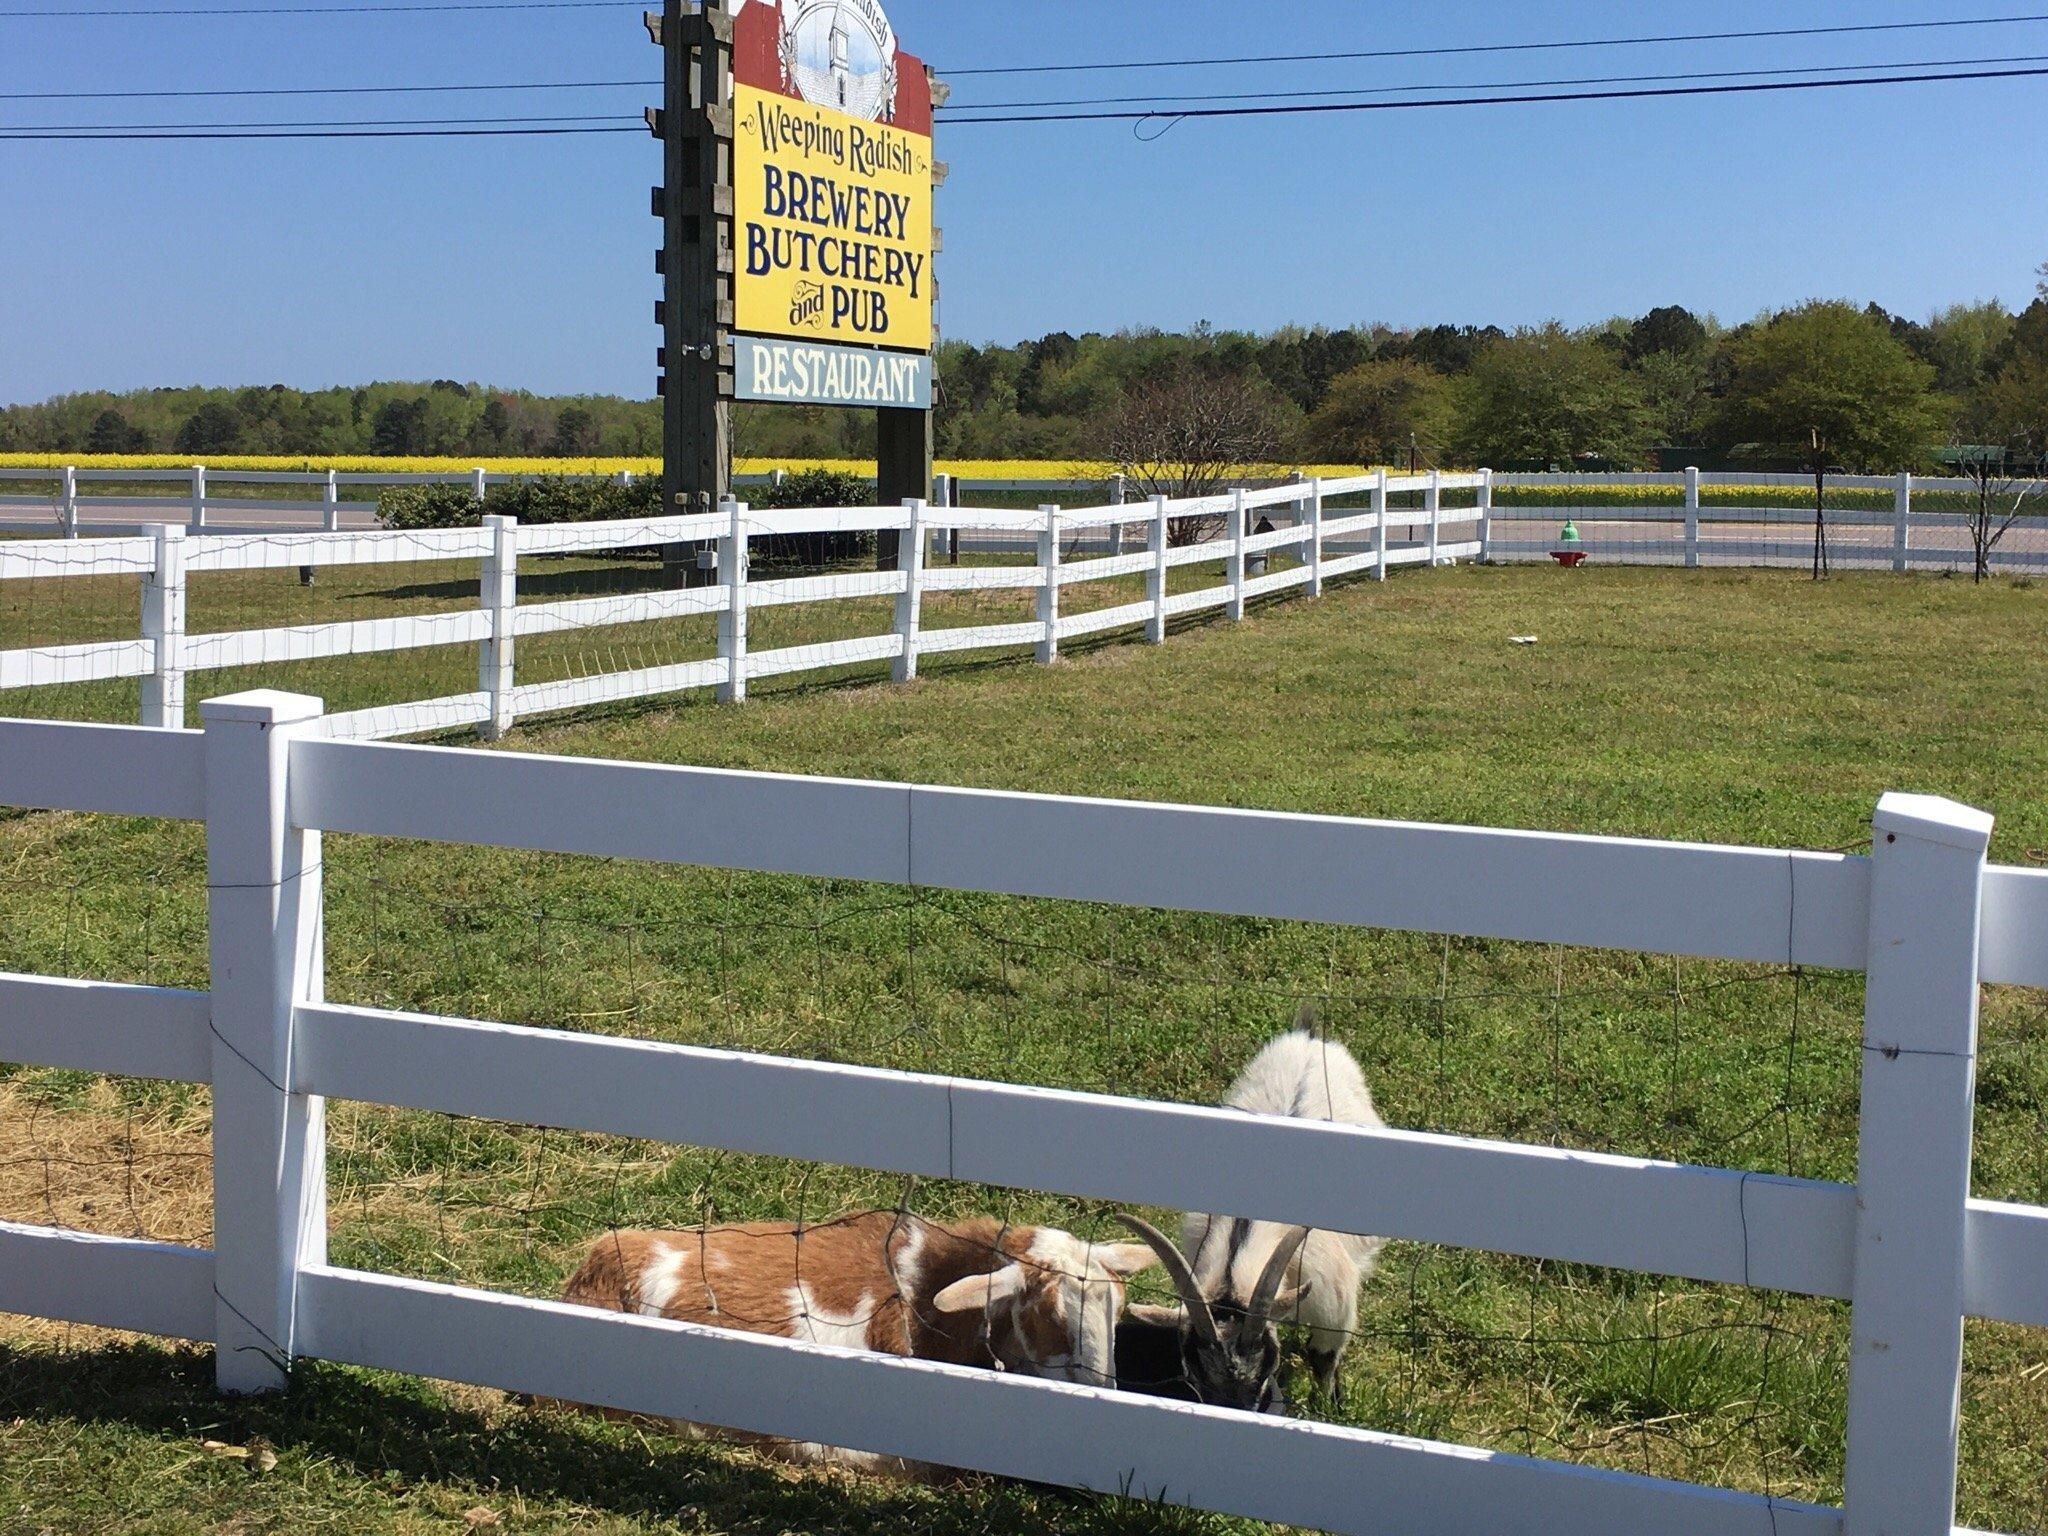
(1856, 387)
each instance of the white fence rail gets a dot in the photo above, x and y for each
(165, 655)
(1696, 532)
(1922, 916)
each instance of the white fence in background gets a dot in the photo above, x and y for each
(1922, 916)
(164, 655)
(1693, 533)
(72, 509)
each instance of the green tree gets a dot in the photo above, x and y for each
(1376, 412)
(213, 428)
(575, 432)
(1551, 396)
(1831, 385)
(2002, 449)
(400, 427)
(1677, 391)
(1671, 329)
(1962, 342)
(113, 433)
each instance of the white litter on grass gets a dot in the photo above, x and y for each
(1521, 639)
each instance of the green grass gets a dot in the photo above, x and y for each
(1746, 707)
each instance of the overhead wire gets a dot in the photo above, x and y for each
(174, 13)
(16, 136)
(369, 122)
(332, 90)
(1756, 34)
(1413, 88)
(1300, 109)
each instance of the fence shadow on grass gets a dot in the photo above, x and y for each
(397, 1435)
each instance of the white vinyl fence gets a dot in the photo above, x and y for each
(1696, 532)
(1922, 916)
(164, 655)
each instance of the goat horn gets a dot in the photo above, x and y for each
(1268, 1290)
(1199, 1316)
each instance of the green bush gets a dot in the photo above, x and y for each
(534, 502)
(553, 499)
(813, 488)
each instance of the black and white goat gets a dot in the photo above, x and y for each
(1237, 1277)
(1223, 1355)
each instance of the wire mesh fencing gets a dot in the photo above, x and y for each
(1749, 1067)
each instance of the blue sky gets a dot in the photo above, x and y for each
(527, 262)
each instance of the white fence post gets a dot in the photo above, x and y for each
(1913, 1166)
(1233, 570)
(269, 1143)
(1692, 518)
(1116, 499)
(1049, 594)
(70, 502)
(1379, 535)
(496, 659)
(477, 485)
(330, 507)
(1902, 523)
(732, 623)
(1315, 537)
(1433, 504)
(1155, 579)
(1486, 517)
(198, 496)
(910, 553)
(163, 622)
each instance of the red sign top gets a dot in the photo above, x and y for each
(838, 54)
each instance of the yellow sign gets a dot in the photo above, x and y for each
(832, 224)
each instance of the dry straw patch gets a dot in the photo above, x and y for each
(99, 1165)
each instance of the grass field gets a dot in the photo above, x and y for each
(1745, 707)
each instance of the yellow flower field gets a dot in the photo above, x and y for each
(968, 469)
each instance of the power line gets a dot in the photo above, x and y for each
(372, 122)
(14, 135)
(332, 90)
(1491, 85)
(174, 131)
(325, 10)
(1647, 92)
(1430, 53)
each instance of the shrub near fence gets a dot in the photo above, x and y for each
(1922, 916)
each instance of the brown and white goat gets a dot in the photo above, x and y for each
(1033, 1300)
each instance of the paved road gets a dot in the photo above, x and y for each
(1787, 542)
(108, 513)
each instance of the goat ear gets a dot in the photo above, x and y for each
(1125, 1259)
(1157, 1317)
(981, 1293)
(1284, 1304)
